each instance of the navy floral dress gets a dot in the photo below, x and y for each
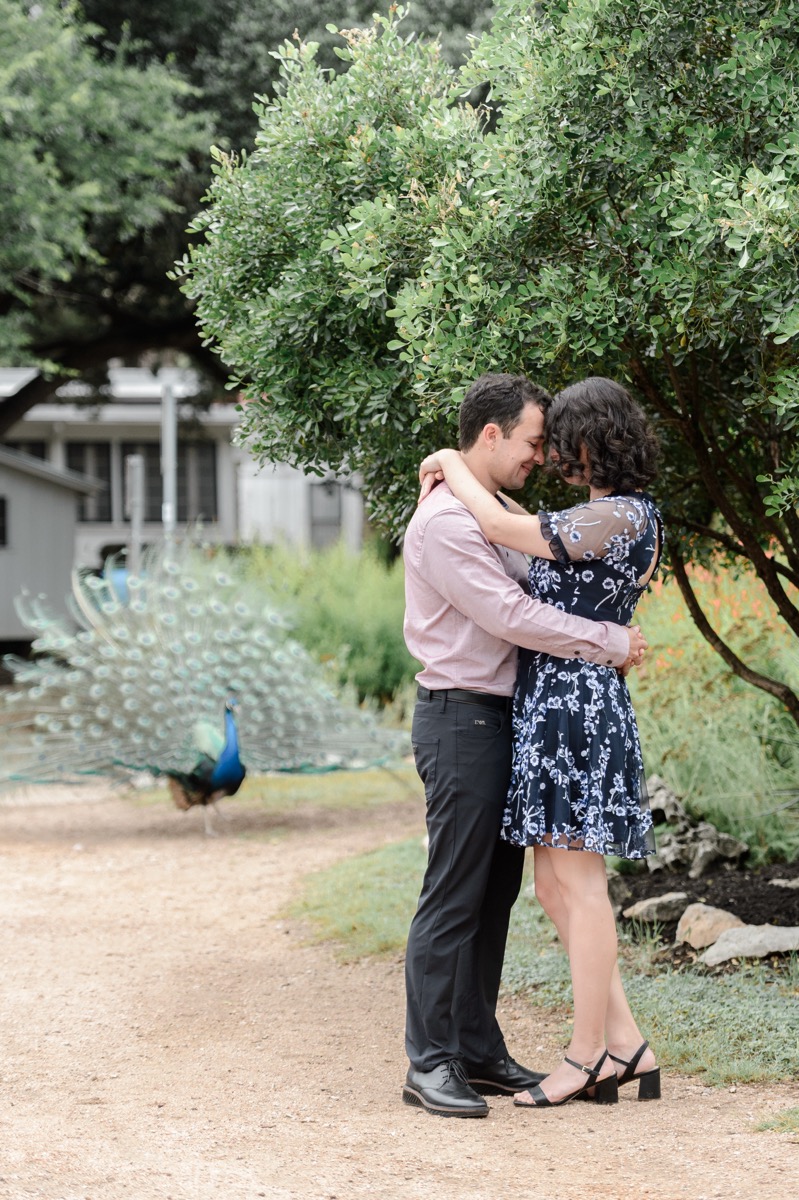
(578, 777)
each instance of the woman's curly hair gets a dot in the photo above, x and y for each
(601, 415)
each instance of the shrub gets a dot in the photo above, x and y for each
(348, 611)
(730, 751)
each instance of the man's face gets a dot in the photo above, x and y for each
(513, 458)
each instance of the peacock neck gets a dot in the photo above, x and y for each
(230, 750)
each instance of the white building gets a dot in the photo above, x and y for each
(218, 485)
(38, 514)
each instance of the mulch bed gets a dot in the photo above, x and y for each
(748, 894)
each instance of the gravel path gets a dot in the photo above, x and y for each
(168, 1033)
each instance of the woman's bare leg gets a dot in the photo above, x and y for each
(548, 895)
(621, 1030)
(588, 929)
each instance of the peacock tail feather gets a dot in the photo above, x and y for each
(136, 677)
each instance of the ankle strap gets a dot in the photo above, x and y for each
(634, 1061)
(592, 1072)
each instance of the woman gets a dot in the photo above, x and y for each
(577, 790)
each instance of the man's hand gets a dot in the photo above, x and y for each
(638, 644)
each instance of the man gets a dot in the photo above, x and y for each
(466, 614)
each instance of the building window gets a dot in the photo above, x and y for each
(94, 459)
(325, 513)
(196, 483)
(3, 521)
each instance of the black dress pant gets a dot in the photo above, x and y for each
(456, 943)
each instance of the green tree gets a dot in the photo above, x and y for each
(89, 154)
(100, 108)
(634, 215)
(225, 47)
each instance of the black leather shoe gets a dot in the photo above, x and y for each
(502, 1078)
(443, 1091)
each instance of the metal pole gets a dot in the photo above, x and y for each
(134, 508)
(169, 460)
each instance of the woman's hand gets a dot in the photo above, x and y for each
(431, 472)
(638, 646)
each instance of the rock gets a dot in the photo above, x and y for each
(730, 847)
(705, 853)
(665, 806)
(710, 845)
(784, 883)
(701, 924)
(672, 853)
(751, 941)
(658, 908)
(696, 845)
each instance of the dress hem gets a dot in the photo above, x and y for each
(613, 851)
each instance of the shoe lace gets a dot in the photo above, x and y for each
(457, 1068)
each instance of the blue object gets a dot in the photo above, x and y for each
(118, 578)
(228, 774)
(212, 778)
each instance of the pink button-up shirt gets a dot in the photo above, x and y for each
(467, 609)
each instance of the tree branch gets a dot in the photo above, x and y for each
(729, 543)
(713, 469)
(780, 691)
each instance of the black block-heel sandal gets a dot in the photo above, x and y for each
(648, 1081)
(606, 1090)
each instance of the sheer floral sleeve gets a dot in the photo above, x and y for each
(603, 528)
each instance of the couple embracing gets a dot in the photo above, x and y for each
(524, 734)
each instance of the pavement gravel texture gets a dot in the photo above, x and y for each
(169, 1033)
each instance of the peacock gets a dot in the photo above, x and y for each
(218, 771)
(185, 669)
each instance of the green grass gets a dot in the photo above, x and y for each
(727, 1028)
(365, 904)
(742, 1027)
(784, 1122)
(336, 790)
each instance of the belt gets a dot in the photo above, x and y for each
(461, 696)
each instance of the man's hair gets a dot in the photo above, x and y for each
(599, 414)
(497, 400)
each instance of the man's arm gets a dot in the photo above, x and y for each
(458, 562)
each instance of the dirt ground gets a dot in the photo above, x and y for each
(169, 1033)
